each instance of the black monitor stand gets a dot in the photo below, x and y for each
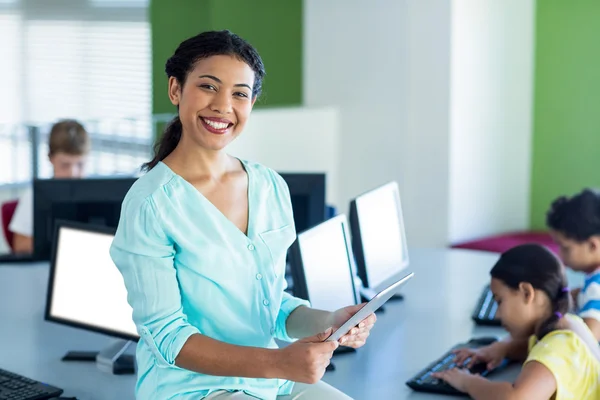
(111, 359)
(343, 350)
(340, 350)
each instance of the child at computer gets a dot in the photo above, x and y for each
(69, 145)
(575, 226)
(561, 356)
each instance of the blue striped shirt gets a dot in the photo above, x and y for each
(188, 270)
(589, 297)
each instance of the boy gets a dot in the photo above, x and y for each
(69, 145)
(575, 226)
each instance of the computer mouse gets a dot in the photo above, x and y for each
(483, 340)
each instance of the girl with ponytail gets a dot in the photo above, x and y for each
(560, 354)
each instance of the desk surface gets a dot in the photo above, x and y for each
(409, 334)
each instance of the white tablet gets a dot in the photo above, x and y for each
(369, 308)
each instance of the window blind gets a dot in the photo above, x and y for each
(83, 59)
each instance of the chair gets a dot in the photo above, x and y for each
(8, 210)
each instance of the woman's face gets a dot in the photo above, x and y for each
(215, 101)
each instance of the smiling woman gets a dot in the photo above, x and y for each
(201, 245)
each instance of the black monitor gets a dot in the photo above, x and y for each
(98, 201)
(87, 291)
(94, 201)
(378, 237)
(307, 191)
(323, 265)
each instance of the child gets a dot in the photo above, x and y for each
(562, 357)
(69, 145)
(575, 227)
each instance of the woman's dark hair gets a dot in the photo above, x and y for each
(535, 264)
(189, 52)
(578, 217)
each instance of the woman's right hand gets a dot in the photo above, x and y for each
(491, 355)
(305, 360)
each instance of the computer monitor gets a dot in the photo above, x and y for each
(323, 266)
(86, 290)
(98, 201)
(94, 201)
(378, 237)
(307, 191)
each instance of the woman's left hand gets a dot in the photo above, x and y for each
(358, 335)
(456, 377)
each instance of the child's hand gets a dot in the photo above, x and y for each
(456, 377)
(491, 355)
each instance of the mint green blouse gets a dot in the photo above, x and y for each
(188, 269)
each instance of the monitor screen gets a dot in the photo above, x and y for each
(86, 288)
(378, 235)
(94, 201)
(327, 266)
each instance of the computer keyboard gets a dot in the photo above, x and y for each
(17, 387)
(486, 309)
(424, 382)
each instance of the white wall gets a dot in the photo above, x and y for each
(343, 67)
(491, 108)
(298, 139)
(425, 193)
(385, 65)
(434, 94)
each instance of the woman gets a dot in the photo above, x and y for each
(201, 245)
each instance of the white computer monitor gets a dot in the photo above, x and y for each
(86, 290)
(323, 266)
(378, 235)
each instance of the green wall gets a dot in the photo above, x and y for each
(172, 21)
(566, 137)
(274, 27)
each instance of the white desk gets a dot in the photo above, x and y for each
(435, 315)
